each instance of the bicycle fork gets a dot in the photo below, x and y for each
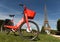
(28, 26)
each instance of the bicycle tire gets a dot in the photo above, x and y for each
(32, 38)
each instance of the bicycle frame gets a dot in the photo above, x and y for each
(24, 19)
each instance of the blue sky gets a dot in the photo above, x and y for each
(12, 7)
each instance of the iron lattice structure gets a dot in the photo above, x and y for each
(46, 23)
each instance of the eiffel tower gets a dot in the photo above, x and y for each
(46, 23)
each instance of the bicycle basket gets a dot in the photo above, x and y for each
(30, 13)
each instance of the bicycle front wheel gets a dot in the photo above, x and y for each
(32, 34)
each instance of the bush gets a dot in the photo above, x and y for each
(58, 25)
(7, 22)
(53, 31)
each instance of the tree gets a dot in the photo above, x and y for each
(8, 22)
(58, 25)
(1, 22)
(5, 22)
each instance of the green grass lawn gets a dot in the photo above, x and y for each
(12, 38)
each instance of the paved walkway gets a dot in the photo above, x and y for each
(57, 36)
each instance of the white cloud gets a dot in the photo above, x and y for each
(3, 16)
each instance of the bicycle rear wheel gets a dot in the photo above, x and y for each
(7, 22)
(29, 35)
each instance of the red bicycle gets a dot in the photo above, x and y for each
(27, 29)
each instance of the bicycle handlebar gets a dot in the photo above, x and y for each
(21, 4)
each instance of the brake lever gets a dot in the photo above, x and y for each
(21, 5)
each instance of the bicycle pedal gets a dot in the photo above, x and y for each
(13, 30)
